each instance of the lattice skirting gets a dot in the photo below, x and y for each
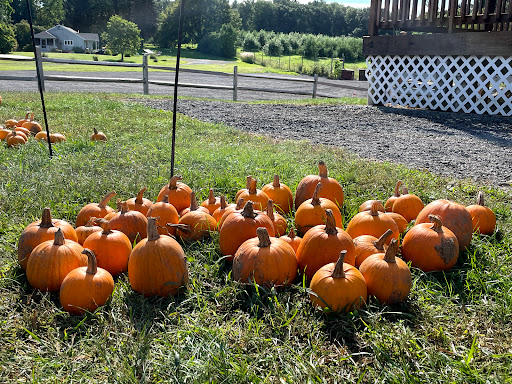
(468, 84)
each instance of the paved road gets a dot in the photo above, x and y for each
(325, 86)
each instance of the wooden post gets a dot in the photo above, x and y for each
(235, 83)
(145, 74)
(332, 61)
(315, 85)
(372, 23)
(39, 64)
(451, 21)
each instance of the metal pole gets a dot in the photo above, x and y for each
(235, 83)
(175, 101)
(39, 80)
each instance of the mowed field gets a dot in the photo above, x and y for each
(454, 327)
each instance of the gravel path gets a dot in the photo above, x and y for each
(450, 144)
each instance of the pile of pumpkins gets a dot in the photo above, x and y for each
(342, 266)
(17, 132)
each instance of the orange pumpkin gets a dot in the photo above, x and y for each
(388, 206)
(312, 212)
(373, 223)
(408, 205)
(367, 245)
(84, 231)
(430, 246)
(15, 138)
(157, 265)
(178, 193)
(29, 116)
(33, 126)
(212, 203)
(57, 137)
(98, 210)
(25, 131)
(399, 220)
(139, 203)
(132, 223)
(86, 288)
(98, 136)
(258, 197)
(164, 213)
(265, 260)
(482, 217)
(11, 123)
(196, 224)
(39, 232)
(3, 133)
(281, 194)
(338, 287)
(248, 181)
(229, 210)
(292, 239)
(332, 190)
(367, 205)
(280, 224)
(41, 136)
(193, 206)
(387, 277)
(322, 245)
(219, 212)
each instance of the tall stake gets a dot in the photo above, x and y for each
(175, 100)
(39, 80)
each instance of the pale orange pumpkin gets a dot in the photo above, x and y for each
(98, 136)
(84, 231)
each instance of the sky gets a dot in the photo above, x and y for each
(350, 3)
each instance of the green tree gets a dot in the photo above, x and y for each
(122, 36)
(23, 36)
(50, 13)
(7, 39)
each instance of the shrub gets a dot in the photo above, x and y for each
(247, 57)
(7, 39)
(77, 49)
(95, 58)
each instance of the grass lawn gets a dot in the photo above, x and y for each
(454, 327)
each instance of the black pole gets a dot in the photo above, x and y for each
(39, 83)
(175, 100)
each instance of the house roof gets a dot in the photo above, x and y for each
(44, 35)
(89, 36)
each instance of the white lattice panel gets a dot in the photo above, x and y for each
(450, 83)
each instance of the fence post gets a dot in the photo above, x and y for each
(39, 64)
(145, 74)
(235, 83)
(315, 85)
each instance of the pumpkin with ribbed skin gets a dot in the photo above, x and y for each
(98, 210)
(373, 223)
(43, 135)
(240, 226)
(164, 213)
(258, 197)
(408, 205)
(248, 181)
(217, 214)
(84, 231)
(25, 131)
(139, 203)
(39, 232)
(280, 224)
(212, 203)
(132, 223)
(178, 193)
(281, 194)
(14, 132)
(196, 224)
(387, 277)
(482, 217)
(11, 123)
(312, 212)
(399, 220)
(157, 265)
(112, 248)
(4, 132)
(33, 126)
(454, 216)
(338, 287)
(388, 205)
(240, 203)
(265, 260)
(52, 260)
(430, 246)
(367, 245)
(292, 239)
(29, 116)
(367, 205)
(15, 139)
(98, 136)
(322, 245)
(332, 189)
(86, 288)
(57, 137)
(193, 206)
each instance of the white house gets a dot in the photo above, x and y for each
(64, 38)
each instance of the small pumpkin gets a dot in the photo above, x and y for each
(132, 223)
(4, 132)
(25, 131)
(338, 287)
(98, 210)
(387, 277)
(84, 231)
(157, 265)
(332, 189)
(372, 222)
(139, 203)
(193, 206)
(15, 139)
(281, 194)
(399, 220)
(367, 245)
(408, 205)
(229, 210)
(86, 288)
(29, 116)
(219, 212)
(367, 205)
(248, 181)
(57, 137)
(212, 203)
(178, 193)
(195, 225)
(52, 260)
(292, 239)
(430, 246)
(265, 260)
(280, 224)
(164, 213)
(10, 123)
(258, 197)
(482, 217)
(388, 205)
(41, 136)
(98, 136)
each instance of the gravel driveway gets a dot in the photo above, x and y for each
(450, 144)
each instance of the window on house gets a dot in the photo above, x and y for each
(68, 42)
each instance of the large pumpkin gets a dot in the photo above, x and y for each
(332, 189)
(265, 260)
(178, 192)
(98, 210)
(281, 194)
(372, 222)
(157, 265)
(482, 217)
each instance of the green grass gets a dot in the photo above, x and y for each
(455, 326)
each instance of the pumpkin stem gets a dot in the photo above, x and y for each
(92, 263)
(103, 203)
(211, 197)
(124, 207)
(119, 206)
(248, 182)
(263, 237)
(397, 188)
(223, 203)
(338, 272)
(291, 234)
(322, 169)
(480, 199)
(315, 200)
(391, 252)
(240, 203)
(46, 219)
(270, 209)
(138, 199)
(252, 187)
(379, 244)
(405, 191)
(173, 183)
(193, 202)
(165, 199)
(59, 237)
(330, 223)
(27, 115)
(248, 211)
(153, 229)
(91, 222)
(95, 131)
(374, 211)
(437, 224)
(276, 183)
(105, 225)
